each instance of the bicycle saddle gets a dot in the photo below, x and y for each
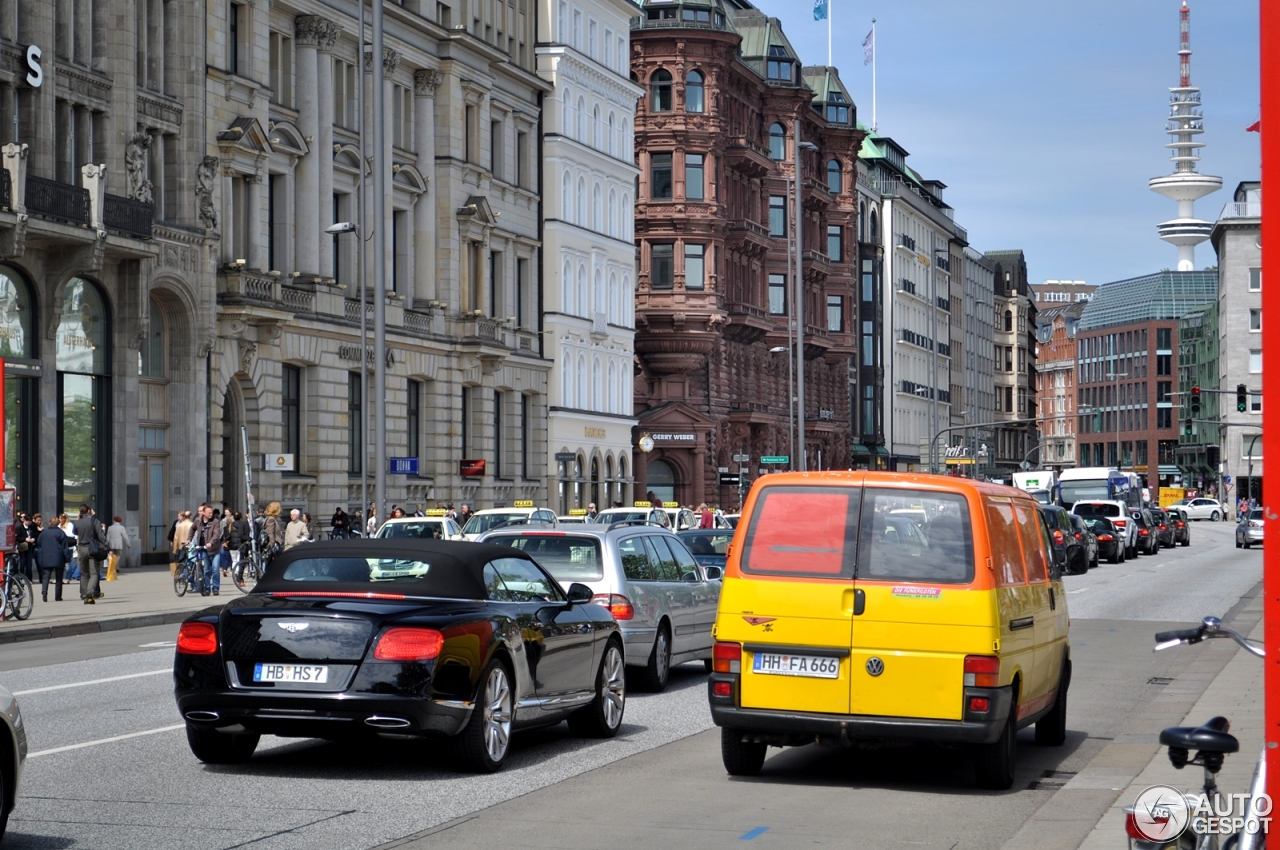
(1211, 737)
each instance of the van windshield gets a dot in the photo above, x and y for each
(1083, 489)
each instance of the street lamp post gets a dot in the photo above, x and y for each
(380, 170)
(336, 230)
(798, 294)
(1116, 376)
(791, 419)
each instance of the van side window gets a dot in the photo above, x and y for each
(635, 563)
(1033, 548)
(914, 535)
(803, 531)
(1006, 550)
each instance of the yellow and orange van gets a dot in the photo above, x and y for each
(880, 606)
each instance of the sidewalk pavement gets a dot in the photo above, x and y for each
(141, 596)
(1088, 812)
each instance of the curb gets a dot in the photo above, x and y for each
(92, 627)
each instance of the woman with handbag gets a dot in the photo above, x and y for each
(272, 543)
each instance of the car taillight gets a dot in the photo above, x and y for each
(722, 689)
(726, 657)
(197, 639)
(1253, 523)
(1057, 535)
(981, 704)
(1181, 524)
(1078, 537)
(1142, 532)
(409, 644)
(1120, 523)
(1164, 527)
(619, 606)
(1106, 538)
(981, 671)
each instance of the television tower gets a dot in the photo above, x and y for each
(1184, 185)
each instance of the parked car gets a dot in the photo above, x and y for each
(1203, 508)
(1110, 539)
(710, 547)
(808, 649)
(1148, 530)
(1069, 548)
(1118, 513)
(402, 638)
(645, 575)
(1249, 529)
(12, 755)
(1180, 524)
(732, 519)
(439, 527)
(1087, 539)
(1164, 527)
(491, 518)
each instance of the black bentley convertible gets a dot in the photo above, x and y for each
(459, 642)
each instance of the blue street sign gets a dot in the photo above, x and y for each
(1226, 479)
(402, 465)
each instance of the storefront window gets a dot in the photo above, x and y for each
(21, 426)
(83, 388)
(661, 480)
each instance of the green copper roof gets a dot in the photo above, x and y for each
(1163, 295)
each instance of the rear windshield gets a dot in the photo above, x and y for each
(911, 535)
(417, 530)
(804, 531)
(480, 523)
(1257, 514)
(1098, 524)
(351, 570)
(708, 543)
(569, 558)
(1092, 510)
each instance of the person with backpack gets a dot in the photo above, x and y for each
(91, 550)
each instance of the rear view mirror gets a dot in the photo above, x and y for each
(579, 593)
(713, 573)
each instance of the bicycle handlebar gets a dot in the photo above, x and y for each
(1210, 628)
(1188, 635)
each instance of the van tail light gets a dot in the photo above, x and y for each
(979, 704)
(981, 671)
(722, 689)
(197, 639)
(1057, 536)
(726, 657)
(409, 644)
(1105, 538)
(619, 606)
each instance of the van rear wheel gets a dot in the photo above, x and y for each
(994, 764)
(741, 758)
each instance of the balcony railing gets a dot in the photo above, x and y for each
(6, 189)
(1247, 209)
(127, 216)
(907, 286)
(57, 200)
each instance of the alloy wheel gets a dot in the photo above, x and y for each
(663, 656)
(497, 714)
(615, 687)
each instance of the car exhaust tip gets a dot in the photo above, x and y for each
(201, 716)
(381, 722)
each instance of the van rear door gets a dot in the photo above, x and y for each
(793, 605)
(920, 616)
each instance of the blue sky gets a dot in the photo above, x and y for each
(1046, 119)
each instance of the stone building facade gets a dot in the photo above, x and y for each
(978, 362)
(1056, 387)
(466, 371)
(715, 136)
(1015, 339)
(588, 252)
(105, 270)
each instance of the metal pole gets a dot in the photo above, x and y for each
(1248, 478)
(933, 352)
(799, 298)
(248, 491)
(361, 228)
(791, 353)
(380, 268)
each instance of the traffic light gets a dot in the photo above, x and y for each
(1242, 400)
(1195, 401)
(1188, 427)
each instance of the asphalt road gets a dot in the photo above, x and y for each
(110, 767)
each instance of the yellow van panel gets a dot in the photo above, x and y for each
(794, 693)
(912, 684)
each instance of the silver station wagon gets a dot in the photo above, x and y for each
(646, 577)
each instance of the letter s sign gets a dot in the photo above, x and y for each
(35, 74)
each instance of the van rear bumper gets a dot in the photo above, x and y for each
(788, 727)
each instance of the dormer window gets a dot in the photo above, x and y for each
(837, 112)
(696, 15)
(779, 65)
(661, 14)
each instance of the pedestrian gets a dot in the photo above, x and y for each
(117, 539)
(296, 531)
(51, 544)
(311, 527)
(451, 513)
(237, 539)
(339, 523)
(26, 539)
(73, 567)
(271, 541)
(706, 519)
(90, 535)
(181, 537)
(592, 513)
(419, 512)
(464, 514)
(208, 537)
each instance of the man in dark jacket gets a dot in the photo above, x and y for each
(339, 523)
(208, 534)
(88, 528)
(51, 546)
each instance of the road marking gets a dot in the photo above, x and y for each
(105, 741)
(1081, 590)
(755, 833)
(91, 682)
(159, 643)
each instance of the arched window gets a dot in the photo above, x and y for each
(83, 363)
(595, 129)
(777, 141)
(597, 384)
(582, 381)
(613, 297)
(660, 91)
(1008, 320)
(613, 383)
(693, 93)
(595, 482)
(613, 138)
(597, 293)
(582, 119)
(566, 289)
(626, 219)
(597, 209)
(628, 294)
(566, 198)
(582, 202)
(566, 380)
(862, 221)
(613, 212)
(566, 114)
(580, 308)
(151, 354)
(834, 177)
(625, 140)
(874, 235)
(661, 480)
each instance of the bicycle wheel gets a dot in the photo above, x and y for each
(237, 576)
(22, 596)
(180, 580)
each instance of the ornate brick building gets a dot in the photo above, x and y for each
(715, 137)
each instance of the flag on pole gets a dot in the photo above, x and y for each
(869, 48)
(819, 10)
(1255, 127)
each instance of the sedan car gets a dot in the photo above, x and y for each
(1110, 539)
(491, 518)
(13, 752)
(460, 642)
(439, 527)
(1180, 524)
(1203, 508)
(710, 548)
(1249, 529)
(1069, 550)
(1148, 531)
(1087, 539)
(662, 599)
(1164, 527)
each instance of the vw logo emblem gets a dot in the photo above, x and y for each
(293, 627)
(875, 666)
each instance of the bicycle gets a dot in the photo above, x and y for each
(19, 594)
(1212, 744)
(247, 571)
(190, 573)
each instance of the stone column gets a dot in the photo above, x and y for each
(155, 38)
(306, 173)
(406, 288)
(425, 83)
(38, 107)
(254, 237)
(322, 150)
